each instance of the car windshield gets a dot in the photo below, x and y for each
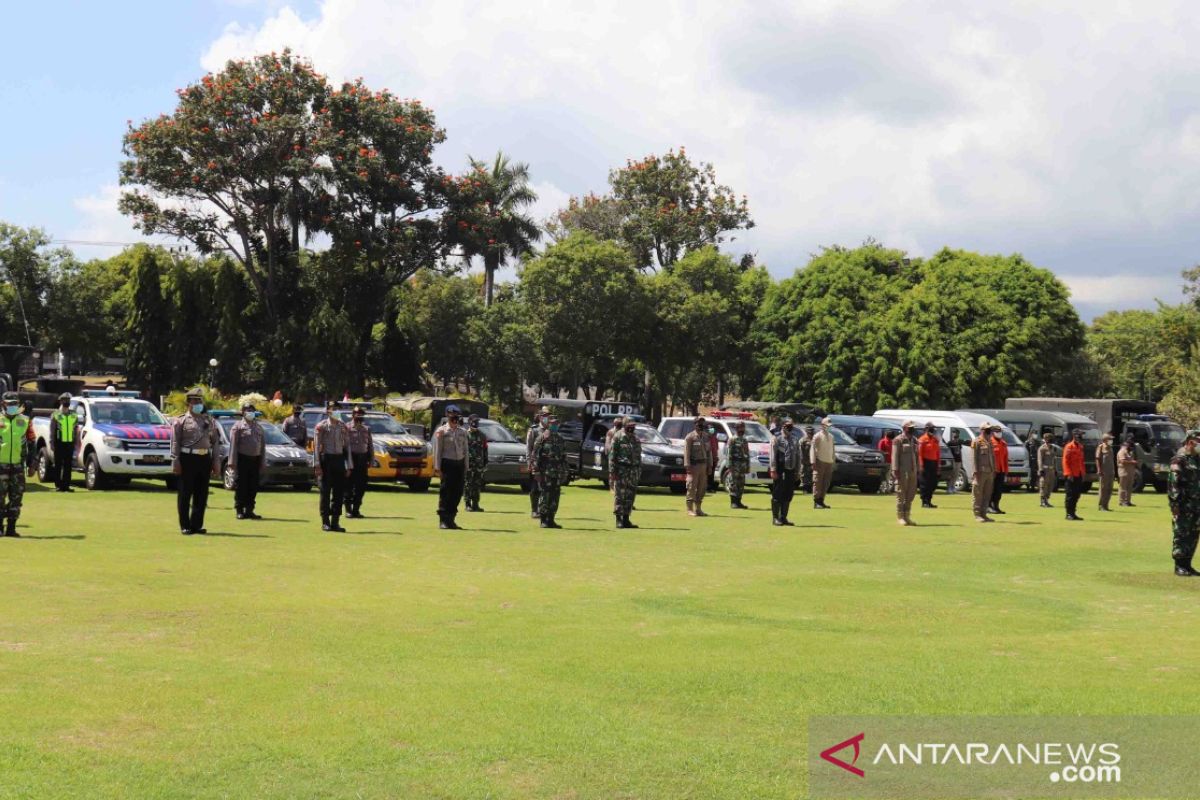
(1010, 438)
(135, 413)
(1168, 434)
(495, 432)
(841, 437)
(273, 435)
(381, 424)
(648, 435)
(757, 433)
(1091, 431)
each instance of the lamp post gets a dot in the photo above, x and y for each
(212, 371)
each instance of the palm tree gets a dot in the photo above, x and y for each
(505, 232)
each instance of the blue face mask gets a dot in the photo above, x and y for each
(197, 408)
(12, 411)
(553, 426)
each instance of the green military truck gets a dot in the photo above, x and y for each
(1157, 436)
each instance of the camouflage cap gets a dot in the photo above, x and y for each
(1194, 433)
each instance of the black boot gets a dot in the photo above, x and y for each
(11, 528)
(620, 521)
(629, 523)
(1182, 569)
(733, 501)
(334, 526)
(325, 524)
(783, 515)
(775, 513)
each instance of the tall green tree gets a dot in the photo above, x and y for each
(258, 158)
(437, 312)
(149, 329)
(661, 207)
(489, 218)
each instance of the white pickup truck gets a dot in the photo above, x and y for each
(121, 437)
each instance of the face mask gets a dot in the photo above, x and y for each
(553, 426)
(248, 416)
(197, 408)
(12, 410)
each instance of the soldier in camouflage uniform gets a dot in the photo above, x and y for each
(477, 451)
(16, 461)
(1183, 494)
(531, 436)
(737, 456)
(624, 471)
(549, 467)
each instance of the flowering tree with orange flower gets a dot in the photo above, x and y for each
(262, 157)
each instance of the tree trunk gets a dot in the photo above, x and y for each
(491, 262)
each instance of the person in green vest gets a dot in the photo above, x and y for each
(16, 460)
(64, 433)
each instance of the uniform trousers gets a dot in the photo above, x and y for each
(929, 480)
(1106, 482)
(333, 486)
(783, 489)
(998, 488)
(359, 464)
(1125, 488)
(1074, 490)
(1047, 484)
(981, 493)
(697, 484)
(191, 490)
(822, 477)
(248, 472)
(906, 489)
(454, 475)
(60, 473)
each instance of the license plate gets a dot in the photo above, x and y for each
(152, 459)
(679, 476)
(1013, 481)
(410, 471)
(598, 459)
(874, 471)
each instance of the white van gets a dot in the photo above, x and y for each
(967, 424)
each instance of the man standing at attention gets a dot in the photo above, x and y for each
(477, 445)
(531, 436)
(1047, 472)
(450, 461)
(194, 457)
(1073, 473)
(785, 464)
(331, 457)
(1183, 494)
(929, 448)
(984, 472)
(695, 461)
(247, 443)
(624, 471)
(823, 457)
(295, 428)
(1127, 469)
(737, 456)
(1000, 459)
(362, 451)
(549, 467)
(905, 455)
(64, 433)
(1106, 465)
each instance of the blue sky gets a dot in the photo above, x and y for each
(1071, 135)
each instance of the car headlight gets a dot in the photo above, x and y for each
(113, 442)
(521, 459)
(844, 458)
(649, 459)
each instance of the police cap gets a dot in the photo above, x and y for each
(248, 406)
(64, 396)
(196, 392)
(11, 397)
(453, 411)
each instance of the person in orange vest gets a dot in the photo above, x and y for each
(929, 448)
(1073, 473)
(1000, 448)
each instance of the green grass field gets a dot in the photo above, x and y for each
(681, 660)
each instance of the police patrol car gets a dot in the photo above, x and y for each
(120, 437)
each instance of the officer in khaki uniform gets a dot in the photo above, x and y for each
(904, 471)
(985, 472)
(1106, 465)
(823, 457)
(1127, 469)
(1047, 471)
(696, 455)
(195, 458)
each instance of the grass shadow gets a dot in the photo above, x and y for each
(374, 533)
(237, 535)
(74, 537)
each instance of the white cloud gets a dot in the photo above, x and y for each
(998, 127)
(1123, 291)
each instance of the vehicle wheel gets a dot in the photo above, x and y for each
(870, 487)
(43, 465)
(419, 485)
(1087, 487)
(677, 489)
(1139, 481)
(227, 478)
(93, 476)
(961, 484)
(172, 483)
(302, 487)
